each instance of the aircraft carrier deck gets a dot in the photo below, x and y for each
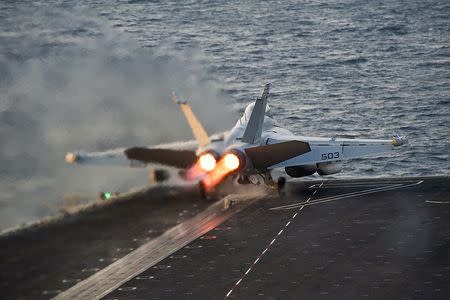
(340, 239)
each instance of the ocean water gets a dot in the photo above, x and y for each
(98, 74)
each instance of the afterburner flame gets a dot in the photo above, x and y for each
(231, 161)
(194, 173)
(207, 162)
(217, 175)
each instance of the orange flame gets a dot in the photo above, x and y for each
(194, 173)
(207, 162)
(229, 163)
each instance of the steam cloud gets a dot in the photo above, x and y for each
(72, 82)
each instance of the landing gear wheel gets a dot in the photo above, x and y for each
(243, 180)
(281, 183)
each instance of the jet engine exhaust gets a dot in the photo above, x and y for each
(194, 173)
(207, 162)
(229, 163)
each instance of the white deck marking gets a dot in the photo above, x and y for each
(389, 187)
(113, 276)
(331, 185)
(437, 202)
(268, 247)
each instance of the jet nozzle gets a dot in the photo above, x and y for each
(231, 161)
(207, 161)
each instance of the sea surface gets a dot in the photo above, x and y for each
(98, 74)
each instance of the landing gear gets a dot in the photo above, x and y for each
(278, 185)
(268, 181)
(281, 183)
(243, 180)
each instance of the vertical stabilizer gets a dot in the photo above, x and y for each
(197, 128)
(252, 134)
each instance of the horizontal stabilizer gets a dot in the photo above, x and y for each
(265, 156)
(182, 159)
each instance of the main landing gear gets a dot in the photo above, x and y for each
(279, 185)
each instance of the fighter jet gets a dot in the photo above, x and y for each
(248, 153)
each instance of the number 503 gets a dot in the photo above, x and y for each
(332, 155)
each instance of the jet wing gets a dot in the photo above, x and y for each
(265, 156)
(295, 150)
(179, 155)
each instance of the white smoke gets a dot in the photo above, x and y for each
(73, 83)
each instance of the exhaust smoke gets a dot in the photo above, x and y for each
(72, 82)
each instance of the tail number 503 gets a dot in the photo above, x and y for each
(332, 155)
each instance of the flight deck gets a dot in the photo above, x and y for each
(368, 239)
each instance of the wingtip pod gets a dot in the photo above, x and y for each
(398, 140)
(71, 157)
(178, 99)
